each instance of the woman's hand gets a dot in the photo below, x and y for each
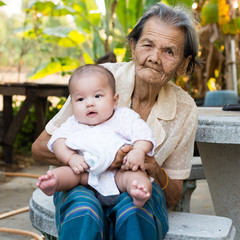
(151, 166)
(121, 153)
(173, 188)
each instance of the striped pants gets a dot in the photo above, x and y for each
(79, 215)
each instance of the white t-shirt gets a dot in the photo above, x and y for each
(99, 143)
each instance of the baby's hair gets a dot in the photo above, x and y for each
(89, 68)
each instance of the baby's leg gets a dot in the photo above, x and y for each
(61, 179)
(137, 184)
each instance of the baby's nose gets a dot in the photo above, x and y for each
(90, 102)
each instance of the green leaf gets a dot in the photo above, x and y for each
(187, 3)
(61, 31)
(2, 3)
(56, 65)
(121, 11)
(237, 23)
(43, 7)
(76, 37)
(93, 12)
(73, 39)
(120, 53)
(232, 28)
(209, 13)
(60, 10)
(87, 58)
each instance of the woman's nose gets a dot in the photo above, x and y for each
(155, 57)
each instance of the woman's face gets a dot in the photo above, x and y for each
(158, 54)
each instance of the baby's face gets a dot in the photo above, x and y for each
(92, 98)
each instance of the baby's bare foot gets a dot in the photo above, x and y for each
(48, 183)
(139, 193)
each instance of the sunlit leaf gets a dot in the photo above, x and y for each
(79, 7)
(2, 3)
(60, 10)
(120, 53)
(60, 31)
(43, 7)
(183, 2)
(212, 84)
(121, 11)
(209, 13)
(56, 65)
(237, 23)
(68, 63)
(87, 58)
(93, 11)
(44, 70)
(76, 37)
(73, 39)
(229, 28)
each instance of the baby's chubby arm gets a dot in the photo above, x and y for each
(136, 157)
(69, 156)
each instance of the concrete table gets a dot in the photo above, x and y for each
(218, 141)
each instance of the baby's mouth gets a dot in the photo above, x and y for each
(91, 114)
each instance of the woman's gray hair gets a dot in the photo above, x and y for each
(177, 16)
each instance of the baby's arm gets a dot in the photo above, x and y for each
(69, 156)
(135, 158)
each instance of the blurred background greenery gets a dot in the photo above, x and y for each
(48, 37)
(52, 38)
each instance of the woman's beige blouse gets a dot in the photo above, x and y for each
(173, 120)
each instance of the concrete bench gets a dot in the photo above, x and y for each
(189, 185)
(182, 226)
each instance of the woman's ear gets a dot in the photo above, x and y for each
(183, 67)
(115, 99)
(132, 46)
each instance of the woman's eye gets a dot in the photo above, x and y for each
(147, 45)
(169, 51)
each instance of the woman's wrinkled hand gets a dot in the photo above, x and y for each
(151, 166)
(121, 153)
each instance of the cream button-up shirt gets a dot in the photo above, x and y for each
(173, 120)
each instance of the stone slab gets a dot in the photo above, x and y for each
(218, 126)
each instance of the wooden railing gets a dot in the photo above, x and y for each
(35, 94)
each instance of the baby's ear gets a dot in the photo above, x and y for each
(115, 99)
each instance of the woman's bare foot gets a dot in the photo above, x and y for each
(139, 193)
(48, 183)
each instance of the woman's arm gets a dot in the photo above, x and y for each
(41, 153)
(121, 153)
(172, 188)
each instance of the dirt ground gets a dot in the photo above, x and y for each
(16, 192)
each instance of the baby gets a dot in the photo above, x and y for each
(88, 141)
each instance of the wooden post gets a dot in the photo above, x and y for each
(230, 66)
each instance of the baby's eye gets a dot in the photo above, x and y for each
(80, 99)
(98, 96)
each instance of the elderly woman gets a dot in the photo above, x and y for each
(164, 44)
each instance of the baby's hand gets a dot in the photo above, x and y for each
(134, 160)
(78, 164)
